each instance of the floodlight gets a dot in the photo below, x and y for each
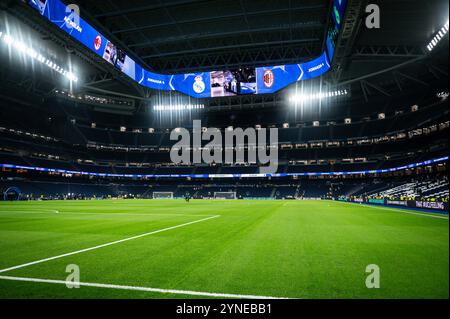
(7, 39)
(302, 97)
(26, 50)
(439, 35)
(177, 107)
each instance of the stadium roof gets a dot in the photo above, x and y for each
(175, 36)
(192, 35)
(178, 35)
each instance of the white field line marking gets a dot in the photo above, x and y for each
(34, 211)
(403, 211)
(147, 289)
(100, 214)
(31, 212)
(105, 245)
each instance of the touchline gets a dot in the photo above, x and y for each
(259, 148)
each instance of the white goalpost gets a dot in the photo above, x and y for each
(162, 195)
(224, 195)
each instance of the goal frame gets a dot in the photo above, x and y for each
(165, 193)
(224, 197)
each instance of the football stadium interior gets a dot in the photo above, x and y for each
(348, 100)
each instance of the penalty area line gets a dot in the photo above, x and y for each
(137, 288)
(106, 244)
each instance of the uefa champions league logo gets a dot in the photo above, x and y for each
(199, 86)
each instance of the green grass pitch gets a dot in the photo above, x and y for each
(292, 249)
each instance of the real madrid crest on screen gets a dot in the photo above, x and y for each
(199, 86)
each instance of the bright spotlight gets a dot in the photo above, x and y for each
(24, 49)
(303, 97)
(7, 39)
(178, 107)
(438, 37)
(71, 76)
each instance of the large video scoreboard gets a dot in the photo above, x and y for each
(337, 17)
(262, 80)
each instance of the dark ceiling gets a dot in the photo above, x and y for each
(180, 36)
(173, 36)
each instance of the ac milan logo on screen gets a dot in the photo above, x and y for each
(97, 42)
(269, 78)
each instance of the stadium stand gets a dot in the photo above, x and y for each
(436, 190)
(262, 150)
(382, 126)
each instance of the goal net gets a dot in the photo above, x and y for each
(162, 195)
(225, 195)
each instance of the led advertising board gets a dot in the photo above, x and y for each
(262, 80)
(208, 176)
(337, 17)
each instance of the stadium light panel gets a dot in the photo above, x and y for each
(7, 39)
(302, 97)
(26, 50)
(178, 107)
(439, 35)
